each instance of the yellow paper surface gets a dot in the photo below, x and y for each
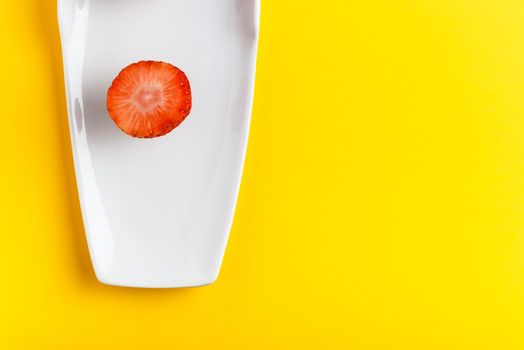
(382, 204)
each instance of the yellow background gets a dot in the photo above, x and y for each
(382, 205)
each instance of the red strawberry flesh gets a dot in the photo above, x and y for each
(149, 99)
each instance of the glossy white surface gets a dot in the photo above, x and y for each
(158, 212)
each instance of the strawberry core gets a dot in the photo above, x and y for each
(148, 98)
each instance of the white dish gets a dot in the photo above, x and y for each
(158, 212)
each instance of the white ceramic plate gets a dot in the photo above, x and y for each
(158, 212)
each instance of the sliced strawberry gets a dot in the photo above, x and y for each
(149, 99)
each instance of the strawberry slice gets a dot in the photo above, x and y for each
(149, 99)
